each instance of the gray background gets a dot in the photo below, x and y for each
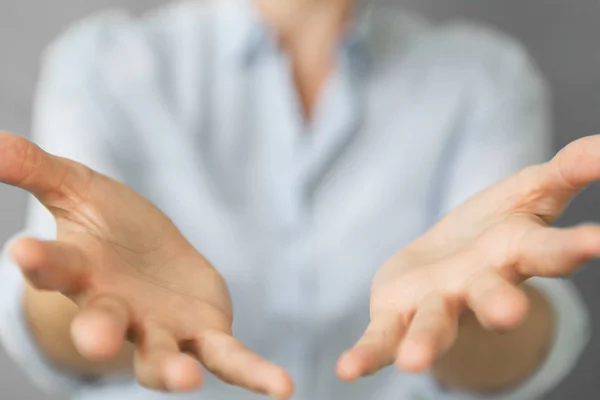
(563, 36)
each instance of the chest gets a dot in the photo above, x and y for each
(232, 162)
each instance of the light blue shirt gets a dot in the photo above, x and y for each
(194, 106)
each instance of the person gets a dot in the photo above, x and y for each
(267, 158)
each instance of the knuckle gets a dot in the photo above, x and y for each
(532, 193)
(109, 304)
(70, 192)
(24, 155)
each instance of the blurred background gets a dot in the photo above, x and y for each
(563, 36)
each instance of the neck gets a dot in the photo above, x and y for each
(308, 30)
(294, 20)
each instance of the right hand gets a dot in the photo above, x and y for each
(133, 275)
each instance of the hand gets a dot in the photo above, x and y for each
(133, 275)
(475, 258)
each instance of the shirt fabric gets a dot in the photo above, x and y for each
(193, 105)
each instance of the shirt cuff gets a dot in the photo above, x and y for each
(571, 335)
(16, 337)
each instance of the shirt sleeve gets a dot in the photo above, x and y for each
(507, 129)
(71, 119)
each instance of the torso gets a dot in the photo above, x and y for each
(296, 217)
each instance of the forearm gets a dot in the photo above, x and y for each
(481, 361)
(49, 316)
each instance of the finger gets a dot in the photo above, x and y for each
(544, 190)
(375, 350)
(100, 329)
(431, 332)
(497, 304)
(160, 365)
(233, 363)
(553, 252)
(25, 165)
(50, 265)
(555, 183)
(576, 165)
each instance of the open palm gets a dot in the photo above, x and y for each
(133, 275)
(475, 258)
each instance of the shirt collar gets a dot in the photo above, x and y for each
(239, 28)
(357, 41)
(247, 35)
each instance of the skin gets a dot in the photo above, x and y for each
(134, 276)
(131, 275)
(309, 31)
(118, 285)
(483, 360)
(476, 259)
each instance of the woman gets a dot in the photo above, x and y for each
(296, 145)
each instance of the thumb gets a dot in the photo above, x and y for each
(544, 190)
(558, 181)
(50, 265)
(49, 178)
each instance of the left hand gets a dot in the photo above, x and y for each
(475, 258)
